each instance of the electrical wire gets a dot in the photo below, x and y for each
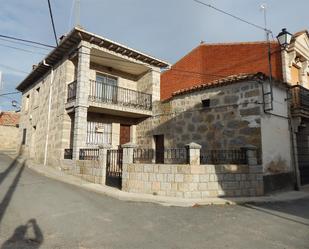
(24, 44)
(52, 21)
(27, 41)
(233, 16)
(21, 49)
(13, 69)
(10, 93)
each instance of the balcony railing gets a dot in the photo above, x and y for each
(71, 91)
(300, 97)
(101, 92)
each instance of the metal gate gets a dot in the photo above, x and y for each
(114, 168)
(303, 156)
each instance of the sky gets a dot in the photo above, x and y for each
(165, 29)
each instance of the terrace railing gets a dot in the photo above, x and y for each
(112, 94)
(89, 154)
(71, 91)
(163, 156)
(300, 97)
(223, 156)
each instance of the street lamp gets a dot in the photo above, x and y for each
(284, 38)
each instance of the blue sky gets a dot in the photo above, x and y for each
(166, 29)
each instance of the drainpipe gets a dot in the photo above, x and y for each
(49, 110)
(293, 145)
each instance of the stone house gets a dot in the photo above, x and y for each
(204, 65)
(88, 91)
(9, 122)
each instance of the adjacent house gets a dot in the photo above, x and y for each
(9, 122)
(88, 91)
(210, 62)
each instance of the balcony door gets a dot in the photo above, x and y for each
(125, 134)
(106, 89)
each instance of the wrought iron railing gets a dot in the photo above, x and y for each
(102, 92)
(68, 153)
(89, 154)
(71, 91)
(223, 157)
(161, 156)
(300, 97)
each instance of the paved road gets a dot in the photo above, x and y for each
(37, 212)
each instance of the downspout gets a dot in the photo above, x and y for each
(293, 143)
(49, 110)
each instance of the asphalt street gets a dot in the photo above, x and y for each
(38, 212)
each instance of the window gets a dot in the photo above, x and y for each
(206, 102)
(37, 92)
(295, 75)
(105, 88)
(24, 137)
(27, 103)
(99, 133)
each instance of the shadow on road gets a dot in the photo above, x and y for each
(25, 236)
(28, 236)
(296, 211)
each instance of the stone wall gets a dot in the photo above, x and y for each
(9, 137)
(189, 181)
(231, 121)
(91, 171)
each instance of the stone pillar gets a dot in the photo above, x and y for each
(103, 160)
(155, 75)
(194, 151)
(128, 150)
(82, 94)
(251, 154)
(115, 134)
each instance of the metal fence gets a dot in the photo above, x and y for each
(71, 91)
(223, 156)
(102, 92)
(164, 156)
(89, 154)
(68, 153)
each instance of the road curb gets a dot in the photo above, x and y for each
(61, 176)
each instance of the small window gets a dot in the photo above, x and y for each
(206, 102)
(24, 136)
(27, 102)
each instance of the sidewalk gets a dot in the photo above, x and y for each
(162, 200)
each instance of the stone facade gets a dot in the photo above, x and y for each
(189, 181)
(8, 137)
(232, 119)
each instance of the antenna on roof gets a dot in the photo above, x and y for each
(263, 7)
(77, 12)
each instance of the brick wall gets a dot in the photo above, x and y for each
(215, 61)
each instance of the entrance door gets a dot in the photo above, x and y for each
(125, 135)
(159, 141)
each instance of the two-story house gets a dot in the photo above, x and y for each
(86, 92)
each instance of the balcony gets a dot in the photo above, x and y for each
(115, 100)
(300, 101)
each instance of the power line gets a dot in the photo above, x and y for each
(10, 93)
(21, 49)
(24, 44)
(234, 16)
(13, 69)
(52, 21)
(27, 41)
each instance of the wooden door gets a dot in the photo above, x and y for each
(159, 141)
(124, 134)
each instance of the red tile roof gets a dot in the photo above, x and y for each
(9, 118)
(225, 81)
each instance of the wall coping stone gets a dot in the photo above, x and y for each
(193, 146)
